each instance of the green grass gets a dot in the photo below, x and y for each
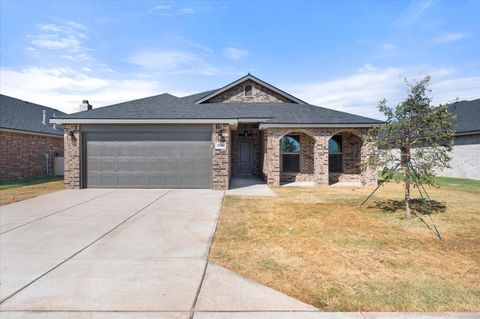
(461, 184)
(29, 181)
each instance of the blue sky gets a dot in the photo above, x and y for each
(338, 54)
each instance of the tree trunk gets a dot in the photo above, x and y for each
(408, 175)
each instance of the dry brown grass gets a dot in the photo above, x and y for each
(318, 245)
(16, 194)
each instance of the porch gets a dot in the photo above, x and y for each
(322, 156)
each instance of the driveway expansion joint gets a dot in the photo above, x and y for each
(84, 248)
(192, 309)
(56, 212)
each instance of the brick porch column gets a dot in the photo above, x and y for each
(273, 158)
(321, 158)
(369, 176)
(72, 157)
(221, 158)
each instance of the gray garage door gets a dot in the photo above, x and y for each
(178, 158)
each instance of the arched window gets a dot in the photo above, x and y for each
(248, 90)
(291, 153)
(335, 154)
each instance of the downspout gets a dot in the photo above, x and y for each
(47, 166)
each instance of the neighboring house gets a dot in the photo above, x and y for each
(28, 143)
(248, 127)
(465, 161)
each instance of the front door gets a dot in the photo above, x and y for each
(244, 156)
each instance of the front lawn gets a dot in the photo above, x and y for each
(17, 190)
(316, 244)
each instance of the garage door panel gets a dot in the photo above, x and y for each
(108, 164)
(156, 165)
(109, 180)
(187, 165)
(124, 165)
(202, 165)
(145, 160)
(139, 165)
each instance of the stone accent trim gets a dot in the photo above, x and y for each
(72, 161)
(22, 154)
(221, 158)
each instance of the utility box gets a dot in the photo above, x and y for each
(58, 166)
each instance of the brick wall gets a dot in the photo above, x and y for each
(260, 94)
(72, 158)
(22, 154)
(315, 146)
(307, 162)
(221, 159)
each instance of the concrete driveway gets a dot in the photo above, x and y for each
(121, 254)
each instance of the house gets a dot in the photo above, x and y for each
(28, 143)
(248, 127)
(466, 150)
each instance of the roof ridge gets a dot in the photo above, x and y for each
(32, 103)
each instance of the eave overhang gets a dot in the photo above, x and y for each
(315, 125)
(254, 79)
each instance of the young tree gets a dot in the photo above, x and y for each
(415, 139)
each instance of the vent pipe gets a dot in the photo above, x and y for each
(85, 106)
(54, 125)
(44, 121)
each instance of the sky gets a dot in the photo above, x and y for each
(344, 55)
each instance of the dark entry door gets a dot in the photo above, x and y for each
(244, 156)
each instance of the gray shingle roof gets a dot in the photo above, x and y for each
(21, 115)
(166, 106)
(468, 116)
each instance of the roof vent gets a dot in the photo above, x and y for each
(44, 120)
(54, 125)
(85, 106)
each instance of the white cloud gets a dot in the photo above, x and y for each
(161, 7)
(360, 92)
(235, 54)
(168, 10)
(449, 37)
(412, 13)
(165, 59)
(65, 88)
(67, 37)
(388, 47)
(175, 61)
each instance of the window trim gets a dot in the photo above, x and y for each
(297, 137)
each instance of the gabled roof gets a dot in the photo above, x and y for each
(21, 115)
(165, 107)
(467, 116)
(254, 79)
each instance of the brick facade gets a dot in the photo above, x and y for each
(221, 158)
(266, 153)
(23, 154)
(72, 157)
(314, 146)
(260, 94)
